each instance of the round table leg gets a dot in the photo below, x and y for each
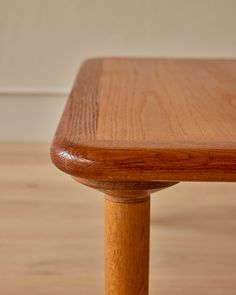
(127, 231)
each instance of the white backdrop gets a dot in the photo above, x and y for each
(43, 42)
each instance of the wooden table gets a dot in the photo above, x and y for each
(132, 127)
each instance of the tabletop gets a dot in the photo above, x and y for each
(150, 119)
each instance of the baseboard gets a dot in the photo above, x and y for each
(33, 92)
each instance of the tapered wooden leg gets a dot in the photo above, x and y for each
(127, 228)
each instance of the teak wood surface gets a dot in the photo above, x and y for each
(140, 119)
(134, 126)
(51, 229)
(127, 228)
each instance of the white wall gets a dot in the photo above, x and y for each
(42, 42)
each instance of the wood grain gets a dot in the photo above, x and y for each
(51, 232)
(150, 120)
(126, 191)
(127, 247)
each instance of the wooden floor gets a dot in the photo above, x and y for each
(51, 232)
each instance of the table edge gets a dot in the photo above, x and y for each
(140, 164)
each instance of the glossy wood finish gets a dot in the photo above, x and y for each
(127, 247)
(150, 120)
(51, 232)
(134, 126)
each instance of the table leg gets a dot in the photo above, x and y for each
(127, 233)
(127, 228)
